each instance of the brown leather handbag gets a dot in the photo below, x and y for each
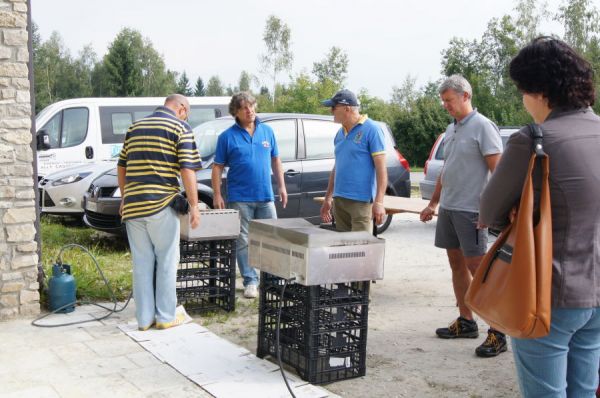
(511, 289)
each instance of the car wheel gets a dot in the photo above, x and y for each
(381, 228)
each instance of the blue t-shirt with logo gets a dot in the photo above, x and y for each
(249, 161)
(354, 165)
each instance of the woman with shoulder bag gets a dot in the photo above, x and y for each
(558, 90)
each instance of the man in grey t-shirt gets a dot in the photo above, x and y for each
(472, 148)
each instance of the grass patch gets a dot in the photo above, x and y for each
(111, 253)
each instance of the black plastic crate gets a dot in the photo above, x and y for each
(323, 331)
(206, 275)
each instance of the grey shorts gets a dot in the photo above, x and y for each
(458, 229)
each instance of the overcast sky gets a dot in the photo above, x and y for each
(385, 40)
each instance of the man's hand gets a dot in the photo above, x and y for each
(219, 203)
(194, 216)
(378, 212)
(427, 213)
(283, 197)
(121, 206)
(326, 210)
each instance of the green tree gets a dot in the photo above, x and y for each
(215, 88)
(245, 81)
(264, 100)
(300, 96)
(132, 67)
(183, 85)
(49, 57)
(200, 90)
(375, 108)
(333, 67)
(57, 75)
(36, 38)
(278, 56)
(581, 21)
(484, 62)
(416, 129)
(405, 95)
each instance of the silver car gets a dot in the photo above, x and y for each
(435, 161)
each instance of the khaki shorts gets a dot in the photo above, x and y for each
(352, 215)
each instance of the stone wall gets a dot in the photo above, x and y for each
(18, 214)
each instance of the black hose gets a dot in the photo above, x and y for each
(277, 336)
(106, 282)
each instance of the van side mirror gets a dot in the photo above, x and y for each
(42, 140)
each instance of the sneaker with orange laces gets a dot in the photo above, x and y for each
(460, 328)
(494, 344)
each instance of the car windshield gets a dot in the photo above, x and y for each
(206, 136)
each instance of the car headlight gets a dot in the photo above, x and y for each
(117, 193)
(70, 179)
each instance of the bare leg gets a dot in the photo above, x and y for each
(472, 263)
(461, 279)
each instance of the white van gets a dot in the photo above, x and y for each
(85, 130)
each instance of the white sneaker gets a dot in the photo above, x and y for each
(251, 291)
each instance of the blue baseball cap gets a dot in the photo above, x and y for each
(342, 97)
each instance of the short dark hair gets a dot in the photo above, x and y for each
(236, 101)
(550, 67)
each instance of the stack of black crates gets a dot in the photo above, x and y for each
(323, 330)
(206, 275)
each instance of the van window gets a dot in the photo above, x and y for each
(67, 128)
(121, 122)
(319, 135)
(139, 115)
(285, 134)
(53, 129)
(200, 115)
(115, 120)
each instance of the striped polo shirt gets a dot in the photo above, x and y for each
(155, 149)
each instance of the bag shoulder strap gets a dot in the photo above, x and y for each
(537, 136)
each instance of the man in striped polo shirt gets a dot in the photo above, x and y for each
(358, 180)
(157, 149)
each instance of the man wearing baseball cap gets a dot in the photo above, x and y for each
(358, 180)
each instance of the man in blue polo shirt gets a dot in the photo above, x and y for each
(358, 180)
(250, 151)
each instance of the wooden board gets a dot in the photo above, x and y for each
(397, 204)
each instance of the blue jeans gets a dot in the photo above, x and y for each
(154, 244)
(565, 362)
(249, 211)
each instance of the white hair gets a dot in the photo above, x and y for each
(458, 84)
